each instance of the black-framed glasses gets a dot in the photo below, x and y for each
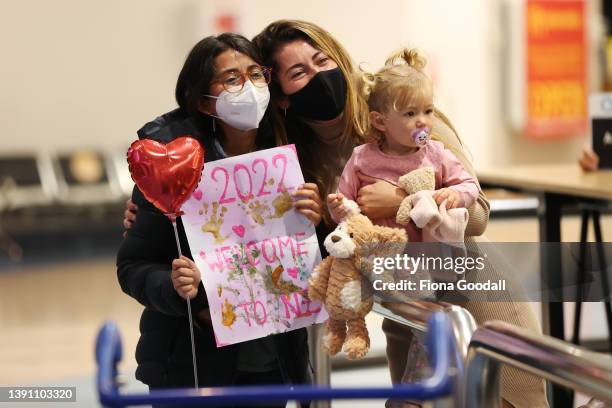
(233, 81)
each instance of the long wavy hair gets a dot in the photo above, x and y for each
(355, 113)
(282, 32)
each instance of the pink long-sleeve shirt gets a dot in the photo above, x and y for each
(369, 160)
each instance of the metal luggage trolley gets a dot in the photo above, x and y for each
(442, 351)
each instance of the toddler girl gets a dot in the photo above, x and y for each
(400, 99)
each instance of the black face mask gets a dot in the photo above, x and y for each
(323, 98)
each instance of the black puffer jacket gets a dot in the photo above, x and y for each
(143, 269)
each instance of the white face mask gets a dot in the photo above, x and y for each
(243, 110)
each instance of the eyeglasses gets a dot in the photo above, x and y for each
(233, 81)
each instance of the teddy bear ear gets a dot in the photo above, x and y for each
(351, 207)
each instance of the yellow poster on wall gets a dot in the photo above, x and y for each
(556, 69)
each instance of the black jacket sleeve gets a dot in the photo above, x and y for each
(144, 262)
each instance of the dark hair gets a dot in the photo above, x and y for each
(199, 68)
(198, 72)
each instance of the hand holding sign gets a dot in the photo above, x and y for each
(255, 246)
(308, 202)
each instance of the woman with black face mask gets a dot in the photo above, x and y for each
(325, 116)
(321, 99)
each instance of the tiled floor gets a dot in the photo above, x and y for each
(49, 317)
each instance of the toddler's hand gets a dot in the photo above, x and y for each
(335, 206)
(451, 196)
(185, 277)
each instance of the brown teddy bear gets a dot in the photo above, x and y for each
(417, 180)
(338, 283)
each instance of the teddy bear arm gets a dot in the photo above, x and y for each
(317, 284)
(403, 213)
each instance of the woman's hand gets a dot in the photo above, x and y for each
(129, 215)
(308, 202)
(185, 277)
(588, 160)
(451, 196)
(379, 198)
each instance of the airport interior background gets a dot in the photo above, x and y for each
(79, 77)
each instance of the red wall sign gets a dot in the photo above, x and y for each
(557, 86)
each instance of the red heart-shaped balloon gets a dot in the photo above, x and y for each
(166, 174)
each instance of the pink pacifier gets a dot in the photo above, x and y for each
(421, 136)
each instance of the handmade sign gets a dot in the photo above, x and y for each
(254, 250)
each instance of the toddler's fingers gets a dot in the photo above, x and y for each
(335, 205)
(457, 201)
(335, 198)
(442, 195)
(331, 198)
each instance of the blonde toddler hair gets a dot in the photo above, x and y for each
(397, 85)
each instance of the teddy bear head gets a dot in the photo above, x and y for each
(356, 232)
(422, 178)
(339, 242)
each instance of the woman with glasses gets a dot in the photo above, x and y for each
(223, 98)
(324, 116)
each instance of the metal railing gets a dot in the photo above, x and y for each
(499, 343)
(321, 363)
(413, 314)
(416, 313)
(439, 384)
